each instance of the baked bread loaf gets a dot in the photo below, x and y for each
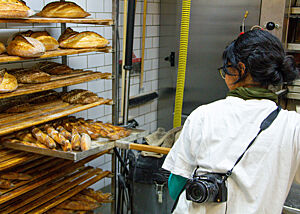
(5, 184)
(2, 48)
(76, 139)
(14, 9)
(64, 132)
(80, 96)
(54, 68)
(78, 205)
(15, 176)
(25, 47)
(85, 142)
(8, 82)
(67, 147)
(43, 138)
(97, 195)
(55, 135)
(43, 36)
(86, 39)
(30, 76)
(63, 10)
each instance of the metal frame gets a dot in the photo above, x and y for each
(115, 86)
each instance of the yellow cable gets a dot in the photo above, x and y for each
(184, 38)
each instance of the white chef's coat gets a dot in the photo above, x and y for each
(215, 135)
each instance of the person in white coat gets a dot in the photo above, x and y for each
(215, 135)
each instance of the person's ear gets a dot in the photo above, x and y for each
(242, 68)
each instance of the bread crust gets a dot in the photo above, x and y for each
(14, 9)
(25, 47)
(2, 48)
(8, 82)
(63, 10)
(85, 39)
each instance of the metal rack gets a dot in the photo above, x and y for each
(113, 23)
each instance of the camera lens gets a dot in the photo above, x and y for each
(198, 192)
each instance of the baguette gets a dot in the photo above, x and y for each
(64, 132)
(26, 137)
(63, 10)
(86, 142)
(15, 176)
(76, 140)
(43, 138)
(5, 184)
(67, 147)
(78, 205)
(25, 47)
(55, 135)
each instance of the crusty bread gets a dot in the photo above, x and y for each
(80, 96)
(8, 82)
(14, 9)
(43, 36)
(63, 10)
(15, 176)
(25, 47)
(86, 39)
(2, 48)
(54, 68)
(29, 76)
(85, 142)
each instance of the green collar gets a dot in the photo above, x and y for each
(253, 93)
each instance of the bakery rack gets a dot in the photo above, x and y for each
(52, 181)
(45, 191)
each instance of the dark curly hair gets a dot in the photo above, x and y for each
(263, 56)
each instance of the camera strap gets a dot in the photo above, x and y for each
(263, 126)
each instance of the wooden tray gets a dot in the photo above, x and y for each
(37, 19)
(42, 113)
(59, 52)
(99, 145)
(57, 81)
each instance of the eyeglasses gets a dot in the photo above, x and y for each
(222, 70)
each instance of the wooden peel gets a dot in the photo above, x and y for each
(123, 57)
(148, 148)
(143, 44)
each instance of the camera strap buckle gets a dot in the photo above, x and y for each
(159, 192)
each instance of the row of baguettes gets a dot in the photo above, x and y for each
(19, 9)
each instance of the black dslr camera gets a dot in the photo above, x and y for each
(209, 187)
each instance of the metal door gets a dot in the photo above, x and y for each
(213, 25)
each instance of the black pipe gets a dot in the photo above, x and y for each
(129, 35)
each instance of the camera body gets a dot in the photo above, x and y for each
(210, 187)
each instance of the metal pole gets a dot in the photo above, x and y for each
(128, 56)
(63, 27)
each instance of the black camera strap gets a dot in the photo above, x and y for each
(263, 126)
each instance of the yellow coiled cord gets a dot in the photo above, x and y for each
(184, 39)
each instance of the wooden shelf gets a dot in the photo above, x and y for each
(59, 52)
(37, 19)
(42, 113)
(57, 81)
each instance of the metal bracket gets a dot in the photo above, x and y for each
(159, 192)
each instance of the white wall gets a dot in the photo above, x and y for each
(146, 115)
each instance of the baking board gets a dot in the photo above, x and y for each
(99, 145)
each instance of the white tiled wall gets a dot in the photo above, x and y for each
(146, 114)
